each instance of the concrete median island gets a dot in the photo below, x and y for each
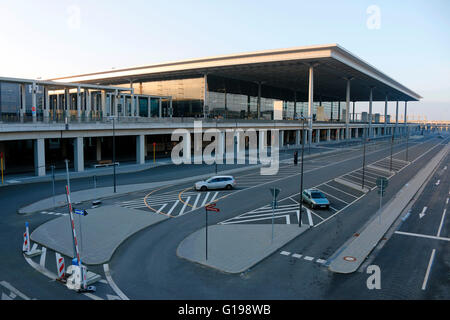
(236, 248)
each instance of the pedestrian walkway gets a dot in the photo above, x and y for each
(236, 248)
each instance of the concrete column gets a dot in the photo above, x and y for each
(310, 100)
(87, 94)
(46, 105)
(79, 103)
(23, 101)
(317, 135)
(205, 94)
(295, 105)
(103, 103)
(99, 149)
(258, 102)
(39, 157)
(354, 114)
(149, 110)
(396, 118)
(297, 137)
(406, 118)
(67, 103)
(33, 101)
(78, 154)
(160, 108)
(370, 111)
(328, 134)
(385, 112)
(171, 108)
(347, 110)
(338, 134)
(116, 103)
(356, 133)
(140, 149)
(305, 136)
(281, 139)
(58, 106)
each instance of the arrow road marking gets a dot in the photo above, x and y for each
(422, 214)
(437, 183)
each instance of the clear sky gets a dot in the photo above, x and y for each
(407, 40)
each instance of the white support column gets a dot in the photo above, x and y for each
(46, 105)
(354, 114)
(58, 106)
(406, 118)
(295, 105)
(140, 149)
(67, 103)
(79, 103)
(370, 111)
(160, 108)
(33, 101)
(39, 157)
(385, 113)
(103, 103)
(99, 149)
(328, 134)
(396, 118)
(281, 139)
(205, 94)
(78, 154)
(347, 110)
(171, 108)
(23, 101)
(305, 136)
(258, 102)
(297, 137)
(317, 135)
(116, 103)
(87, 94)
(310, 101)
(149, 110)
(338, 134)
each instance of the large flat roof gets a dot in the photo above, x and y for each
(280, 68)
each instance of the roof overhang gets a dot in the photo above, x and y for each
(286, 69)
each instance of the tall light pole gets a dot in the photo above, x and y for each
(113, 118)
(301, 175)
(364, 157)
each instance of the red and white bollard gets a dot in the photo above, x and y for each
(26, 248)
(60, 266)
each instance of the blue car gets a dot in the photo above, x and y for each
(315, 199)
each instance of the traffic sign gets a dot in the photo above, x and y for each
(212, 207)
(81, 212)
(382, 182)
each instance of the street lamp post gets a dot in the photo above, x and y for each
(114, 151)
(301, 175)
(364, 157)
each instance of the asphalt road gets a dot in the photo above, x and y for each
(146, 266)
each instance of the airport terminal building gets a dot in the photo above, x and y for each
(43, 122)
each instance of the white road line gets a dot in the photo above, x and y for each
(92, 296)
(285, 253)
(8, 286)
(268, 217)
(421, 235)
(43, 255)
(321, 261)
(162, 207)
(427, 274)
(442, 222)
(204, 200)
(295, 255)
(446, 202)
(422, 214)
(195, 202)
(310, 221)
(297, 203)
(308, 258)
(437, 183)
(173, 207)
(345, 202)
(184, 207)
(214, 197)
(112, 284)
(351, 195)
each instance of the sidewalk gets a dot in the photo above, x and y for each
(351, 255)
(236, 248)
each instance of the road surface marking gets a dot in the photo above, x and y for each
(285, 253)
(173, 207)
(422, 235)
(112, 284)
(437, 183)
(332, 196)
(184, 207)
(351, 195)
(422, 214)
(214, 197)
(308, 258)
(446, 202)
(321, 261)
(8, 286)
(427, 274)
(43, 254)
(442, 222)
(296, 255)
(310, 221)
(204, 200)
(162, 207)
(194, 206)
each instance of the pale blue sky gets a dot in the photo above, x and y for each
(45, 38)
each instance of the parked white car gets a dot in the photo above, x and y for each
(216, 182)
